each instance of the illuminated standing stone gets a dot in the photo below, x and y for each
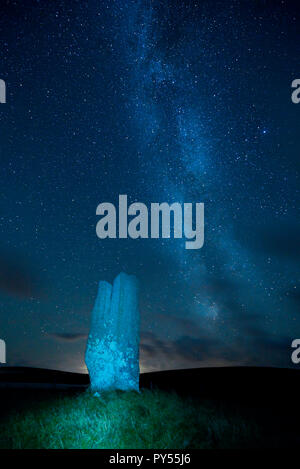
(112, 353)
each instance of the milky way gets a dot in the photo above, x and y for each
(169, 101)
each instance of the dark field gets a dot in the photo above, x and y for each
(180, 409)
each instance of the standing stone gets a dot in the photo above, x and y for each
(112, 352)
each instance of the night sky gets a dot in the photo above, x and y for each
(165, 101)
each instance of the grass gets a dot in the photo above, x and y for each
(126, 420)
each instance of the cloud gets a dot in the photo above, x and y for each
(185, 352)
(68, 337)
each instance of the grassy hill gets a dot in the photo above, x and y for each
(247, 410)
(150, 419)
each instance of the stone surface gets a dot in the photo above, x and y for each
(112, 352)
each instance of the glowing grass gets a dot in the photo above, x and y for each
(150, 419)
